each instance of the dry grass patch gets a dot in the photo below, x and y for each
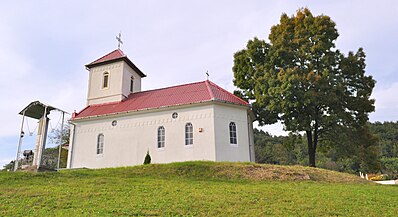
(263, 172)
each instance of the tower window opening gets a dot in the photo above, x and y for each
(132, 84)
(105, 80)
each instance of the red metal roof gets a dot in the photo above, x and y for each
(110, 56)
(114, 56)
(171, 96)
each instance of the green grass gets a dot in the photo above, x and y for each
(194, 189)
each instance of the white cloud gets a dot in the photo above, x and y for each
(15, 71)
(273, 129)
(386, 103)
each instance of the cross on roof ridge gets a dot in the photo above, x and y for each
(119, 39)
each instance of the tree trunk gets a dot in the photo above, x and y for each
(311, 148)
(312, 144)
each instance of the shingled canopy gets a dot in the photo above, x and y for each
(36, 110)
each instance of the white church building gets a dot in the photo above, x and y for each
(189, 122)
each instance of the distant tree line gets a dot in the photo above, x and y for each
(373, 149)
(387, 134)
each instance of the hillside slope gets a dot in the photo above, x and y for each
(204, 170)
(194, 188)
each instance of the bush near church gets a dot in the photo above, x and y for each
(147, 159)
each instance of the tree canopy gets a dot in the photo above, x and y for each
(302, 80)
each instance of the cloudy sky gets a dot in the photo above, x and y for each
(44, 46)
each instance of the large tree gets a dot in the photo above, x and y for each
(302, 80)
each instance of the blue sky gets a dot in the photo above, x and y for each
(44, 46)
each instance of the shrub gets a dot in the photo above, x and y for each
(147, 159)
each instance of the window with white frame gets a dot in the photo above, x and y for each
(100, 144)
(105, 80)
(161, 137)
(188, 134)
(232, 134)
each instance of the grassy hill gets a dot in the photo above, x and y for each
(194, 189)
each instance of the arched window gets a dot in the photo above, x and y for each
(188, 134)
(232, 133)
(100, 144)
(131, 84)
(161, 137)
(105, 80)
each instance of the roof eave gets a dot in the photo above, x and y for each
(161, 107)
(232, 103)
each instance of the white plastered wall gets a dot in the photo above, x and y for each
(128, 72)
(224, 114)
(127, 143)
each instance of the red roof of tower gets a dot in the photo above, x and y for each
(110, 56)
(198, 92)
(114, 56)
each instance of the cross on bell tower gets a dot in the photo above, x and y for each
(119, 39)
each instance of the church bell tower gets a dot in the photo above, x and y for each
(112, 78)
